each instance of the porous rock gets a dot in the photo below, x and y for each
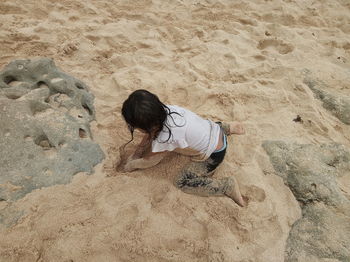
(337, 104)
(318, 177)
(45, 138)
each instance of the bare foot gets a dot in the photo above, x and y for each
(233, 128)
(233, 191)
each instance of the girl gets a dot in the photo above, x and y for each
(173, 128)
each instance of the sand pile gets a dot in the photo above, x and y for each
(241, 60)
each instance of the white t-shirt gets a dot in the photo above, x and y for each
(188, 130)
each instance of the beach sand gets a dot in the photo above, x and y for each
(225, 60)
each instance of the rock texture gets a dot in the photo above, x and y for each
(337, 104)
(319, 178)
(44, 128)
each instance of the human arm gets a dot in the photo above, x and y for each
(149, 160)
(143, 147)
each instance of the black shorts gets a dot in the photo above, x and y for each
(216, 158)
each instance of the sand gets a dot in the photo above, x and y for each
(225, 60)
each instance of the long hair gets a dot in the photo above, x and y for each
(145, 111)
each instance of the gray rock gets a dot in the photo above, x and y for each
(337, 104)
(316, 175)
(45, 137)
(10, 215)
(321, 233)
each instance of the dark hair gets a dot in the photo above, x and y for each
(144, 110)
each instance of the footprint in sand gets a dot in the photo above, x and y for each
(259, 57)
(253, 194)
(158, 195)
(280, 46)
(131, 212)
(11, 9)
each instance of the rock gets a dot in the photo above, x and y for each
(322, 233)
(318, 177)
(10, 215)
(337, 104)
(45, 137)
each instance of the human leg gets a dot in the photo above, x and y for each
(230, 128)
(193, 179)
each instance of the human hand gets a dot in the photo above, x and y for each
(142, 163)
(130, 165)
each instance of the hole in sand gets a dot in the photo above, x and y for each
(80, 116)
(259, 57)
(82, 133)
(254, 193)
